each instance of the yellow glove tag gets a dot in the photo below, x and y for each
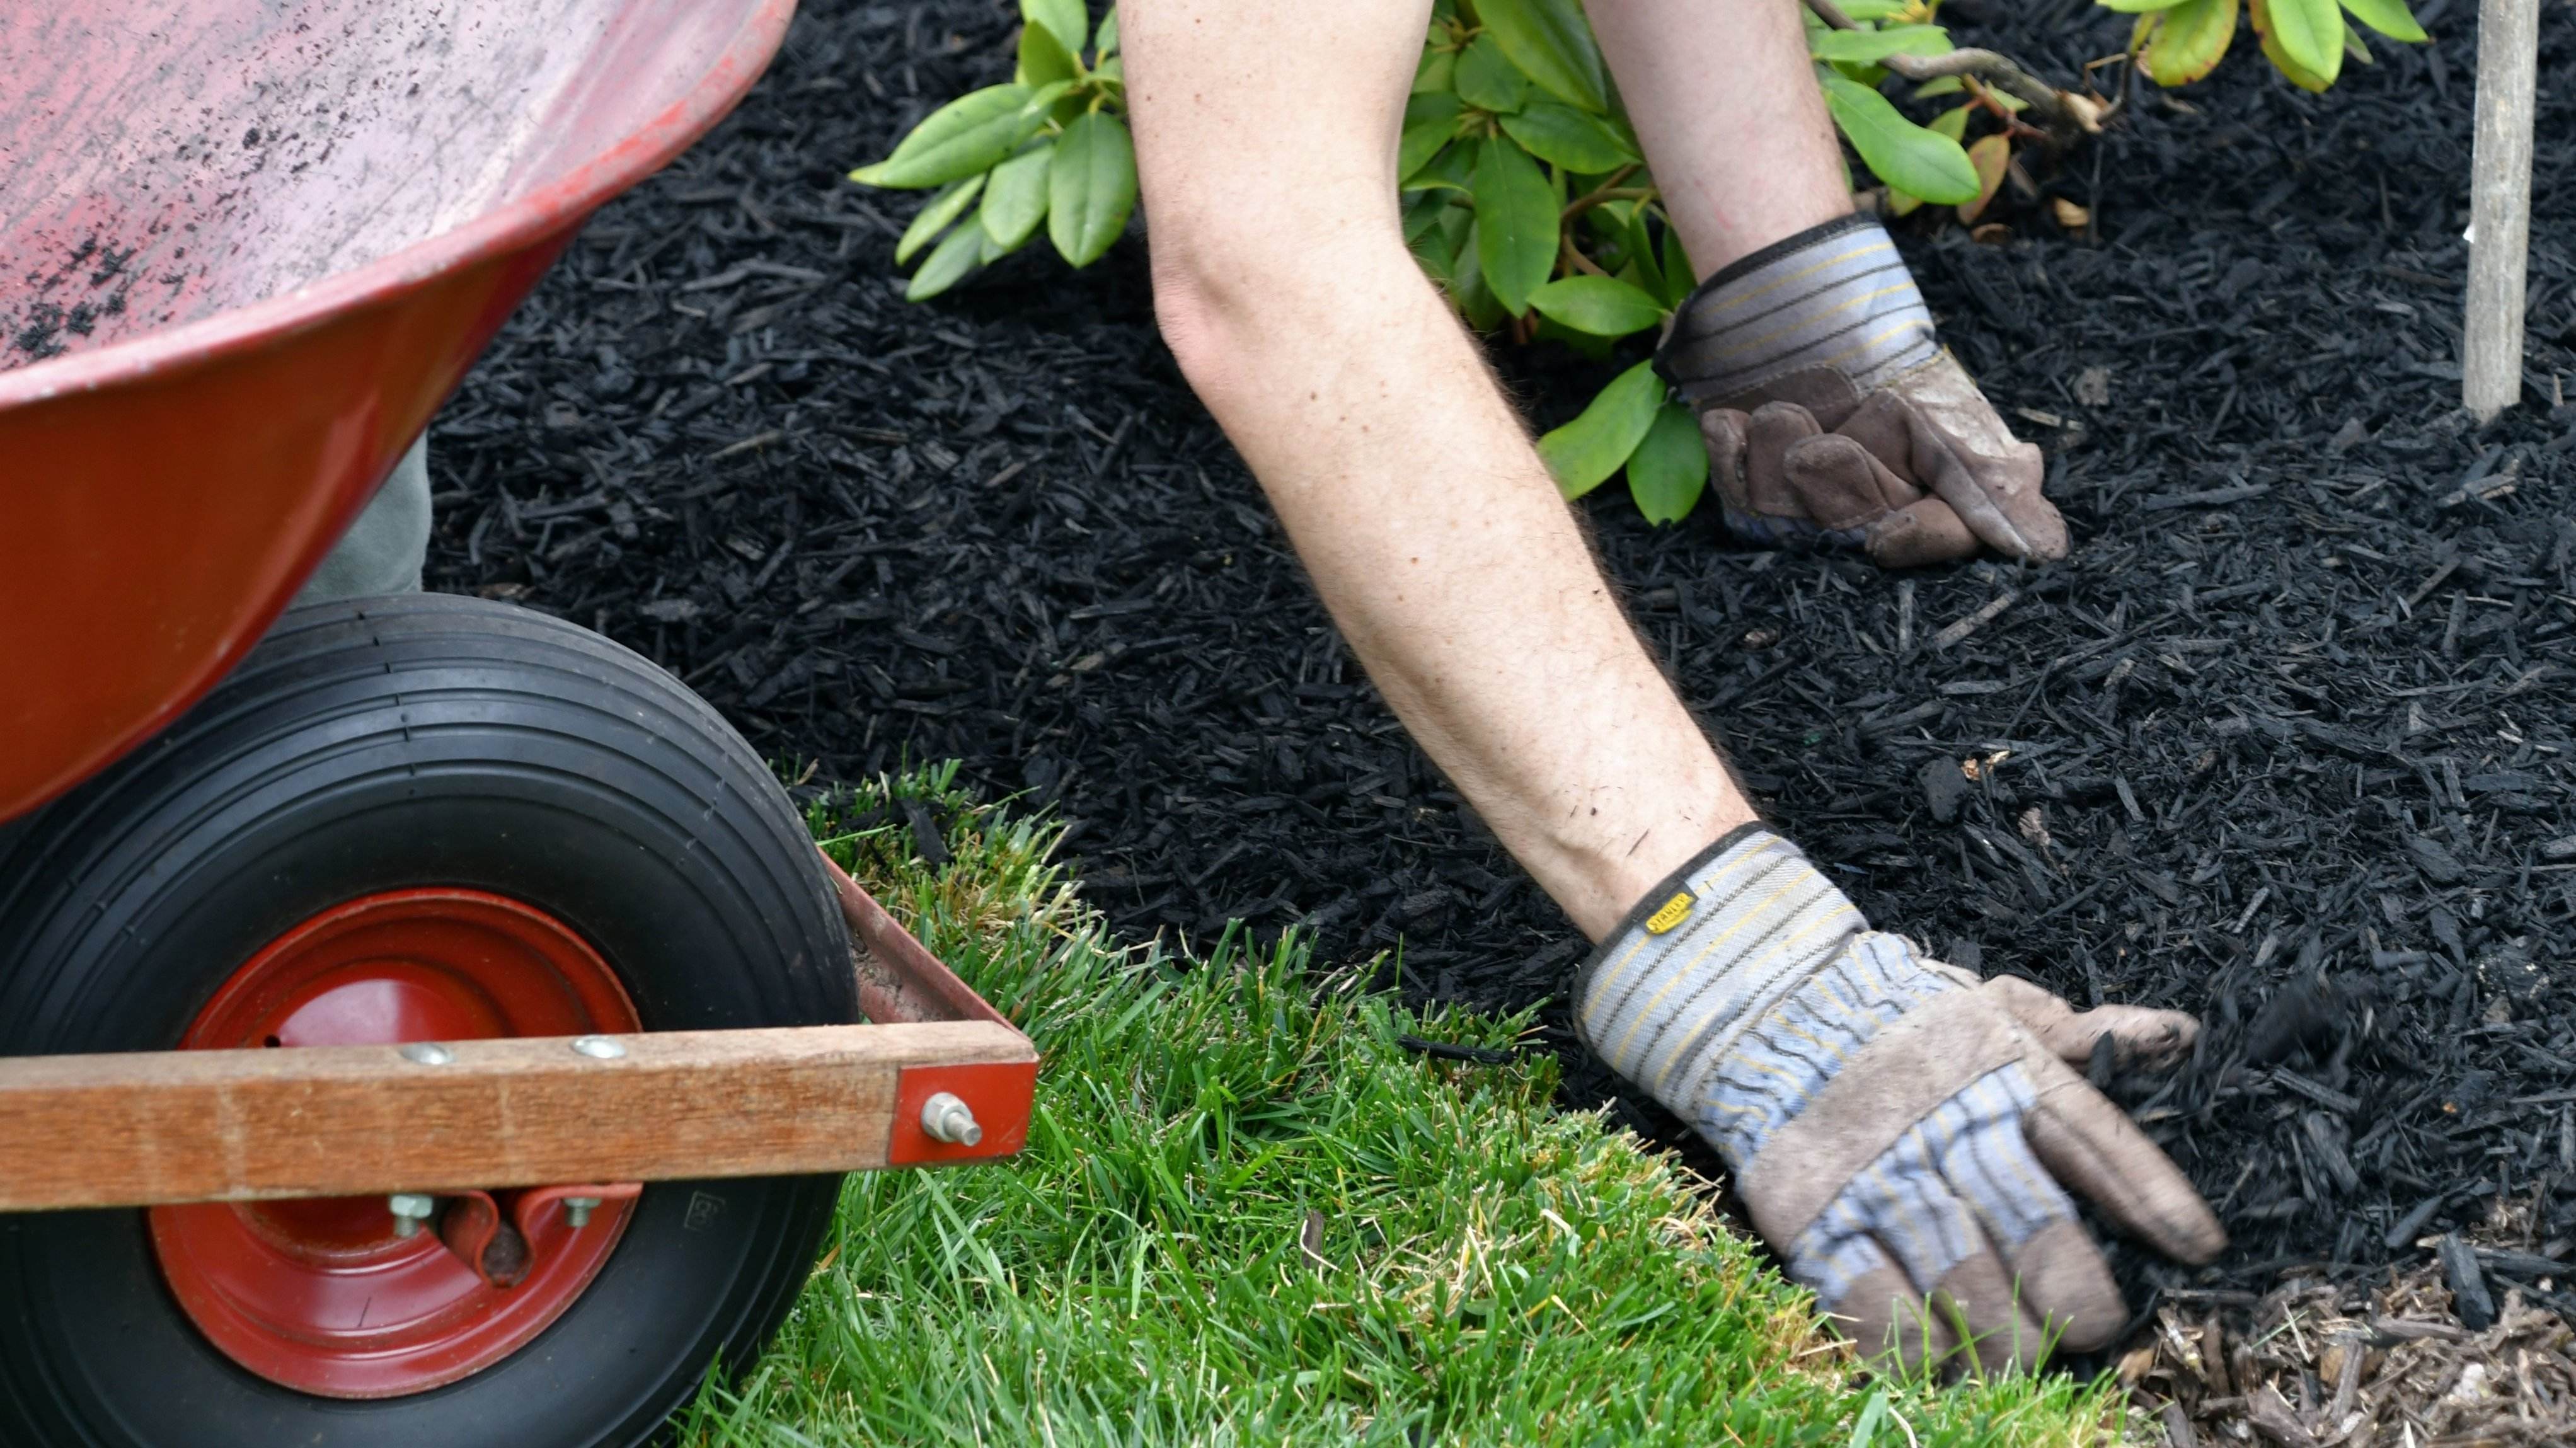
(1673, 912)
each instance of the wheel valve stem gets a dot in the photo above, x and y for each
(577, 1210)
(410, 1210)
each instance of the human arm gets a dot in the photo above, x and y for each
(1831, 412)
(1266, 139)
(1266, 142)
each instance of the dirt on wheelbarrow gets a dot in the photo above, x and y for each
(2286, 743)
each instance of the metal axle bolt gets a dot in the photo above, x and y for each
(577, 1210)
(945, 1118)
(410, 1210)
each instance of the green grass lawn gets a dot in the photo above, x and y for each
(1247, 1215)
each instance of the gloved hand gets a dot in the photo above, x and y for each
(1903, 1134)
(1832, 415)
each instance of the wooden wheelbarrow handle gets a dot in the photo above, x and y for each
(154, 1127)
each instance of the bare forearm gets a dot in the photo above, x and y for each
(1726, 106)
(1266, 147)
(1460, 578)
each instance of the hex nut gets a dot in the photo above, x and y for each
(945, 1118)
(410, 1210)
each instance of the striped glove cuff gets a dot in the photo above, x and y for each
(1832, 298)
(1736, 990)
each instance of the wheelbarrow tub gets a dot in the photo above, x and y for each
(250, 246)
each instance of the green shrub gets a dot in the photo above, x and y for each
(1051, 146)
(2179, 41)
(1525, 195)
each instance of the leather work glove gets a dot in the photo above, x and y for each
(1904, 1135)
(1833, 416)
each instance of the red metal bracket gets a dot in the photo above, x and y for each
(999, 1095)
(530, 1213)
(472, 1226)
(900, 980)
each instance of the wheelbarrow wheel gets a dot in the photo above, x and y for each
(423, 817)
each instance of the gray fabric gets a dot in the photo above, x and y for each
(385, 549)
(1837, 298)
(1783, 1059)
(1832, 415)
(1751, 984)
(1960, 1181)
(1666, 1001)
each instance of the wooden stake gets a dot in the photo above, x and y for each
(182, 1126)
(2499, 205)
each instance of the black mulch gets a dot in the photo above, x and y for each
(2287, 741)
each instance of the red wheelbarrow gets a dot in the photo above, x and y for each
(422, 1021)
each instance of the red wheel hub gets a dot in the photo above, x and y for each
(322, 1296)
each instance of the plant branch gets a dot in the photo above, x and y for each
(1571, 256)
(1608, 190)
(1603, 197)
(2065, 112)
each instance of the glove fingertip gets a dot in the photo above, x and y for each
(2042, 528)
(2148, 1038)
(2091, 1146)
(2143, 1037)
(1835, 481)
(1924, 532)
(1725, 423)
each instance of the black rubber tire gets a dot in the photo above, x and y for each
(381, 744)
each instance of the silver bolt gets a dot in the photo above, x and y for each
(947, 1119)
(577, 1210)
(410, 1209)
(427, 1053)
(599, 1048)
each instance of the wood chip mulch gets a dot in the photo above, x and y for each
(2310, 1365)
(2286, 743)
